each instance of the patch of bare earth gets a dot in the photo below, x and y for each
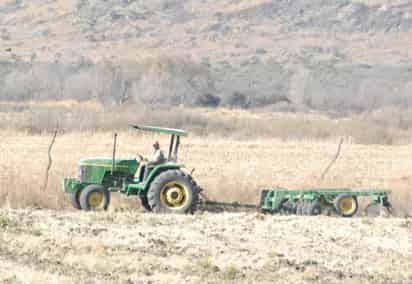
(39, 246)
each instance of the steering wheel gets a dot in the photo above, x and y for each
(139, 157)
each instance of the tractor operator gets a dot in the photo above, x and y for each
(157, 158)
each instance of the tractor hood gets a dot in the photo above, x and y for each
(94, 170)
(119, 164)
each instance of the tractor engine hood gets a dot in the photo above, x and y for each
(108, 163)
(93, 170)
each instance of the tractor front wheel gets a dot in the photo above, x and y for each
(173, 191)
(75, 199)
(145, 203)
(94, 197)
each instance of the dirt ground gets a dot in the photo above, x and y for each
(45, 246)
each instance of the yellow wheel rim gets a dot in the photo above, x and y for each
(174, 195)
(347, 205)
(95, 200)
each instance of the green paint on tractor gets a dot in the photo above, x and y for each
(166, 187)
(169, 187)
(343, 201)
(314, 201)
(98, 170)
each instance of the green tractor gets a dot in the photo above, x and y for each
(163, 188)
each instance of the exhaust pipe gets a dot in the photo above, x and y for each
(114, 152)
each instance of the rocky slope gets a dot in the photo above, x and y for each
(331, 55)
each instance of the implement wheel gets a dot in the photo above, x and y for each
(94, 197)
(75, 199)
(173, 191)
(346, 205)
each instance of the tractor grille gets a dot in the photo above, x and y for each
(82, 173)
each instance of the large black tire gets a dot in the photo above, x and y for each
(346, 205)
(173, 191)
(94, 197)
(75, 199)
(145, 203)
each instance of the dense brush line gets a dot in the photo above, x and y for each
(183, 81)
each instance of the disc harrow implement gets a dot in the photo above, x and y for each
(311, 202)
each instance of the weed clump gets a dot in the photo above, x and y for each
(231, 273)
(6, 222)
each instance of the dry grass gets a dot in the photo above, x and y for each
(226, 168)
(385, 126)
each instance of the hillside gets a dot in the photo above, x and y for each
(344, 55)
(274, 93)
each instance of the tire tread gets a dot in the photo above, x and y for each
(158, 182)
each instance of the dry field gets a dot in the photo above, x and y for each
(227, 169)
(43, 246)
(390, 125)
(95, 66)
(43, 240)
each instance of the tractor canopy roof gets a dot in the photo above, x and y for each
(170, 131)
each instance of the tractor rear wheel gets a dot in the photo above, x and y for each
(173, 191)
(346, 205)
(94, 197)
(75, 199)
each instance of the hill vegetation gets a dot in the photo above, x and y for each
(339, 56)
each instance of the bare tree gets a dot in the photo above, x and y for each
(50, 161)
(326, 170)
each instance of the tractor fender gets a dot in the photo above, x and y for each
(72, 185)
(157, 170)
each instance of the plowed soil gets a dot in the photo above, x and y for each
(45, 246)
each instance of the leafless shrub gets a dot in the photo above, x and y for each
(208, 100)
(366, 128)
(172, 81)
(237, 99)
(163, 80)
